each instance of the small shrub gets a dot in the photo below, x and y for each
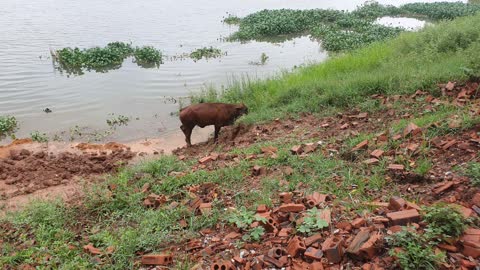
(8, 124)
(473, 171)
(312, 222)
(205, 53)
(444, 220)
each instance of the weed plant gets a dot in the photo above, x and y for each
(473, 171)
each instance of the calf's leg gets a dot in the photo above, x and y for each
(187, 130)
(217, 130)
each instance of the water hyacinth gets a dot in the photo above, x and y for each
(100, 59)
(341, 30)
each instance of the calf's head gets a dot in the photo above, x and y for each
(240, 109)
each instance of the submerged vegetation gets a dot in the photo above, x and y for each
(412, 61)
(110, 57)
(342, 30)
(206, 53)
(8, 124)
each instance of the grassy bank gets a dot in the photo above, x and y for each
(402, 65)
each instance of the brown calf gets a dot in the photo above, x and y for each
(206, 114)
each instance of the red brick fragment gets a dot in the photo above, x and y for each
(269, 150)
(91, 249)
(468, 264)
(396, 167)
(443, 188)
(412, 147)
(232, 235)
(315, 266)
(344, 126)
(297, 150)
(291, 207)
(273, 261)
(358, 222)
(471, 249)
(449, 144)
(205, 160)
(239, 260)
(411, 129)
(396, 203)
(157, 259)
(371, 161)
(285, 197)
(295, 246)
(357, 242)
(310, 147)
(397, 137)
(313, 239)
(476, 199)
(258, 170)
(344, 225)
(276, 252)
(378, 153)
(361, 145)
(450, 86)
(372, 246)
(404, 217)
(448, 247)
(315, 199)
(223, 265)
(313, 253)
(262, 208)
(333, 249)
(205, 208)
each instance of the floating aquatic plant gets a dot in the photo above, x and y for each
(205, 52)
(341, 30)
(75, 60)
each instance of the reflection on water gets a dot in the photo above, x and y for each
(29, 83)
(406, 23)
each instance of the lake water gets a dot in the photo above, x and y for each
(29, 83)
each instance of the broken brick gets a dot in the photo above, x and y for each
(412, 147)
(262, 208)
(344, 225)
(371, 161)
(258, 170)
(361, 145)
(411, 129)
(157, 259)
(333, 249)
(313, 239)
(273, 261)
(449, 144)
(291, 207)
(476, 199)
(377, 153)
(224, 265)
(396, 167)
(285, 197)
(358, 222)
(396, 203)
(471, 249)
(310, 147)
(344, 126)
(443, 188)
(404, 217)
(313, 253)
(357, 242)
(91, 249)
(450, 86)
(297, 150)
(448, 247)
(205, 208)
(276, 252)
(371, 247)
(295, 245)
(205, 160)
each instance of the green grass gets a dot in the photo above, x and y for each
(400, 66)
